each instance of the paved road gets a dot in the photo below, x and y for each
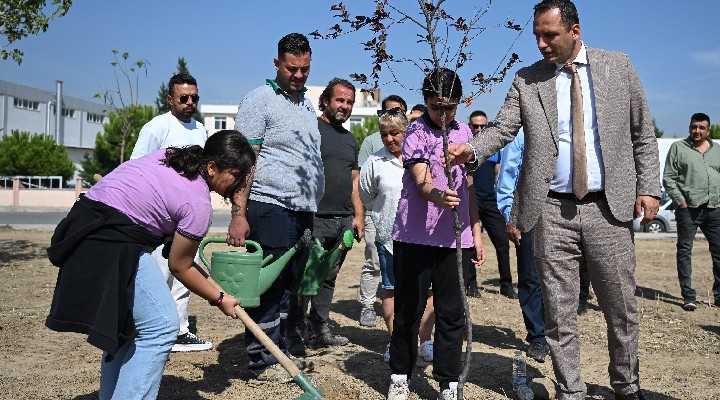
(48, 218)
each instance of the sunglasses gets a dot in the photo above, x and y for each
(392, 111)
(184, 98)
(477, 126)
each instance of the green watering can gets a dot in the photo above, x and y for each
(318, 265)
(247, 275)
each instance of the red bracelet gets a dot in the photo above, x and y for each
(218, 301)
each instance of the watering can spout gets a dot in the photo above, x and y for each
(270, 272)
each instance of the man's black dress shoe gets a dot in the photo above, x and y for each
(632, 396)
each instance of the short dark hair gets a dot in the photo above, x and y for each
(419, 107)
(477, 113)
(396, 99)
(700, 117)
(180, 79)
(296, 44)
(568, 12)
(445, 78)
(328, 91)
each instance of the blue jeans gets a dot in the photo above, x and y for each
(386, 267)
(137, 368)
(529, 292)
(688, 220)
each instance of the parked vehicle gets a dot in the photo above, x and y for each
(664, 220)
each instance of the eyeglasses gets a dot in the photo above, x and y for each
(478, 126)
(392, 111)
(184, 98)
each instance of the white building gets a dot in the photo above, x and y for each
(32, 110)
(222, 116)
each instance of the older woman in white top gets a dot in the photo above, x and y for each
(381, 183)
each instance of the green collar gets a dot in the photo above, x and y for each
(276, 87)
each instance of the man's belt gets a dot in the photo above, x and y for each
(591, 197)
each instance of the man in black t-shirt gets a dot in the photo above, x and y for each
(340, 209)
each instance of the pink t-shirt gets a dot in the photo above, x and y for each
(157, 197)
(417, 220)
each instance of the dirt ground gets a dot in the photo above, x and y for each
(679, 350)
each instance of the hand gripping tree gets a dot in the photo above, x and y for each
(448, 39)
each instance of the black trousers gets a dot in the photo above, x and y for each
(415, 267)
(494, 223)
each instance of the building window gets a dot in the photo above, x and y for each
(66, 112)
(220, 123)
(95, 118)
(356, 121)
(26, 104)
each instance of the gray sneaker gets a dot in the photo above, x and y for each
(368, 317)
(274, 373)
(327, 339)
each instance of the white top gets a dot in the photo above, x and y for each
(166, 130)
(562, 181)
(381, 184)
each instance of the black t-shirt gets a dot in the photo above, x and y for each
(339, 153)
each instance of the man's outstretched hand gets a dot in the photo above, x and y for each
(459, 153)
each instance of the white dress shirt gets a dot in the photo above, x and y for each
(562, 181)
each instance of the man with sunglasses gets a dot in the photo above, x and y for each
(485, 179)
(176, 128)
(370, 272)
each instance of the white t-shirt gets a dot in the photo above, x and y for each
(166, 130)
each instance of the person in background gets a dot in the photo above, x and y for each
(283, 193)
(339, 210)
(176, 128)
(692, 179)
(529, 291)
(380, 185)
(110, 286)
(424, 243)
(417, 111)
(484, 180)
(370, 271)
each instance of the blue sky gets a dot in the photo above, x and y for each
(230, 45)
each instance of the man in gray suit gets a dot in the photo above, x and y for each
(583, 213)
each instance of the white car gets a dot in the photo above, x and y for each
(664, 220)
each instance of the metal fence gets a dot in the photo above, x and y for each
(32, 182)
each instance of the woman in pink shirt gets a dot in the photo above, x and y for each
(424, 239)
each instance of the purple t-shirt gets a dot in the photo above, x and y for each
(157, 197)
(420, 221)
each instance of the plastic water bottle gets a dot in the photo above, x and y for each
(519, 383)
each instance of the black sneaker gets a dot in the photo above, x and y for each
(190, 342)
(689, 305)
(327, 339)
(474, 292)
(582, 307)
(295, 346)
(538, 351)
(509, 292)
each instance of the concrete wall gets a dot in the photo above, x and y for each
(62, 198)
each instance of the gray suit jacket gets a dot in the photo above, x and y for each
(627, 137)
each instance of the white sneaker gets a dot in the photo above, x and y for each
(386, 356)
(450, 393)
(426, 350)
(399, 390)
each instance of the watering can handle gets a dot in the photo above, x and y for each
(205, 241)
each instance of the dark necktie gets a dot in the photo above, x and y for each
(579, 165)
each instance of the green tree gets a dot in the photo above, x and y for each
(715, 131)
(162, 94)
(20, 19)
(658, 132)
(22, 153)
(368, 127)
(109, 144)
(124, 100)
